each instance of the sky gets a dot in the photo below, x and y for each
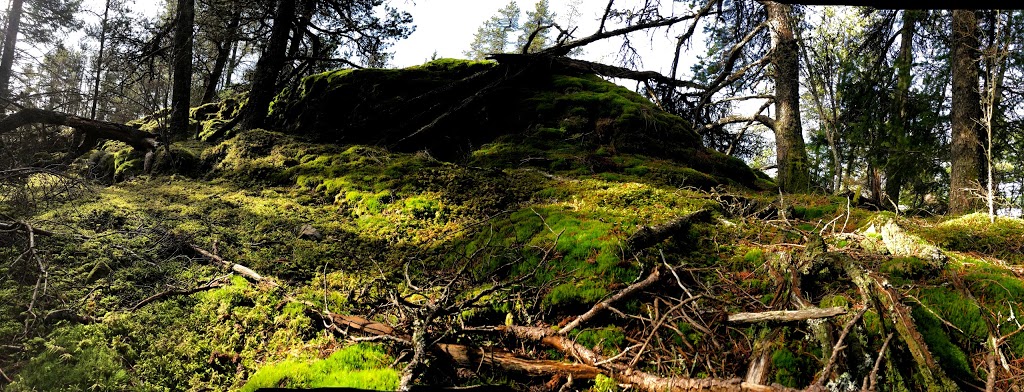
(447, 27)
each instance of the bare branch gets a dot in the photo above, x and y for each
(767, 121)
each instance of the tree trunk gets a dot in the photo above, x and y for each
(99, 61)
(223, 51)
(965, 165)
(898, 162)
(794, 171)
(268, 68)
(181, 96)
(10, 41)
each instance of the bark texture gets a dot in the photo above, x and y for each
(791, 154)
(268, 68)
(10, 41)
(181, 93)
(965, 165)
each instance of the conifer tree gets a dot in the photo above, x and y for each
(493, 35)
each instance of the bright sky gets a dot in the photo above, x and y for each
(447, 26)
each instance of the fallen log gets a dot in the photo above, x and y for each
(648, 236)
(95, 129)
(786, 315)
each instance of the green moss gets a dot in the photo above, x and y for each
(604, 383)
(359, 366)
(605, 341)
(907, 268)
(974, 233)
(791, 369)
(949, 356)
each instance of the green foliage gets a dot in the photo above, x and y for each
(79, 357)
(358, 366)
(604, 383)
(605, 341)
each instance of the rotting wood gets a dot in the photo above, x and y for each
(786, 315)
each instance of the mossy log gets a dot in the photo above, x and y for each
(648, 236)
(902, 244)
(93, 129)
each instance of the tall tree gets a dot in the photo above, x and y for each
(493, 35)
(791, 153)
(268, 68)
(965, 115)
(896, 166)
(182, 80)
(10, 41)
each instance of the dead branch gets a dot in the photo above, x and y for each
(565, 48)
(238, 268)
(625, 374)
(767, 121)
(601, 306)
(24, 227)
(786, 315)
(472, 357)
(648, 236)
(838, 348)
(869, 382)
(138, 139)
(174, 293)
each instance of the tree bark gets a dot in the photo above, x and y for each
(10, 42)
(269, 66)
(181, 96)
(786, 315)
(965, 165)
(791, 154)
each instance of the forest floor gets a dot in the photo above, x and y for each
(547, 259)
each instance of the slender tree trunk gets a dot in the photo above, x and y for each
(794, 171)
(965, 168)
(223, 51)
(10, 42)
(897, 163)
(269, 66)
(181, 96)
(99, 62)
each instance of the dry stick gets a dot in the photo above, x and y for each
(654, 329)
(625, 374)
(839, 346)
(600, 306)
(170, 293)
(869, 382)
(8, 379)
(786, 315)
(240, 269)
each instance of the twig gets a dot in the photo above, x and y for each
(869, 382)
(786, 315)
(600, 306)
(839, 346)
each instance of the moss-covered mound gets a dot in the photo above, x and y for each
(534, 116)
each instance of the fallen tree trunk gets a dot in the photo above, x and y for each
(648, 236)
(95, 129)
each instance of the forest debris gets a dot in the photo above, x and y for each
(171, 293)
(472, 357)
(838, 348)
(648, 236)
(902, 244)
(94, 129)
(307, 231)
(626, 374)
(238, 268)
(603, 305)
(786, 315)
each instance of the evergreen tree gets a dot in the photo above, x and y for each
(493, 35)
(535, 32)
